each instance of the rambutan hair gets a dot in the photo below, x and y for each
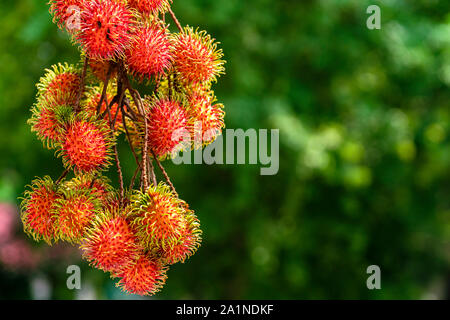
(87, 145)
(187, 245)
(109, 243)
(150, 52)
(73, 213)
(36, 209)
(158, 217)
(106, 29)
(150, 7)
(166, 123)
(49, 121)
(196, 56)
(98, 186)
(206, 116)
(63, 10)
(60, 85)
(146, 276)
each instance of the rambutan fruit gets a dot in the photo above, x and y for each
(60, 85)
(64, 10)
(49, 121)
(158, 217)
(166, 121)
(150, 7)
(196, 56)
(99, 186)
(87, 145)
(150, 52)
(36, 209)
(205, 118)
(106, 29)
(187, 245)
(109, 243)
(73, 213)
(146, 276)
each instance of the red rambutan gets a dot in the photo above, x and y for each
(196, 57)
(64, 10)
(187, 245)
(36, 213)
(145, 276)
(73, 213)
(99, 186)
(110, 244)
(87, 146)
(158, 217)
(205, 118)
(60, 85)
(106, 29)
(166, 123)
(149, 55)
(148, 7)
(48, 121)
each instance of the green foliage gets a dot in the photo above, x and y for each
(364, 146)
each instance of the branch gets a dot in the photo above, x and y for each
(166, 176)
(176, 20)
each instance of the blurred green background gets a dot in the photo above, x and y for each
(364, 154)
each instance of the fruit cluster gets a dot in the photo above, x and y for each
(81, 111)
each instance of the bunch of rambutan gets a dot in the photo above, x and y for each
(134, 232)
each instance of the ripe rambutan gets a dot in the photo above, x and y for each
(158, 217)
(36, 209)
(196, 57)
(205, 118)
(64, 10)
(60, 85)
(106, 29)
(145, 276)
(149, 55)
(49, 121)
(73, 213)
(109, 244)
(187, 245)
(87, 145)
(150, 7)
(99, 186)
(166, 123)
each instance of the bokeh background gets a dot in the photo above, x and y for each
(364, 154)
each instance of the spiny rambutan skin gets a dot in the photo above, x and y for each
(158, 217)
(60, 85)
(106, 29)
(205, 118)
(110, 244)
(150, 53)
(148, 7)
(146, 276)
(166, 121)
(73, 213)
(87, 146)
(98, 186)
(62, 11)
(48, 122)
(187, 245)
(36, 209)
(196, 57)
